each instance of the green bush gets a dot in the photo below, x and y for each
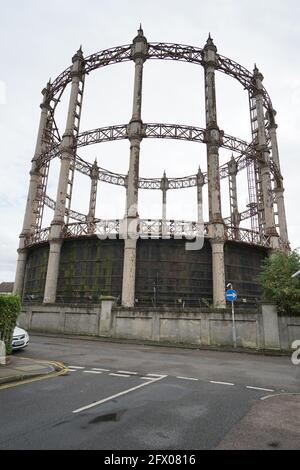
(10, 306)
(277, 283)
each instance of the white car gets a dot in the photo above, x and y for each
(20, 338)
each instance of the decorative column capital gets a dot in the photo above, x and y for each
(216, 231)
(45, 105)
(140, 47)
(213, 135)
(209, 54)
(56, 229)
(78, 64)
(272, 122)
(200, 178)
(94, 174)
(257, 75)
(258, 89)
(67, 145)
(78, 56)
(232, 167)
(164, 184)
(135, 130)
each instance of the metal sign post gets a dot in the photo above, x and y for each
(231, 296)
(233, 325)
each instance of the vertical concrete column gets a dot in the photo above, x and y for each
(30, 215)
(135, 131)
(279, 195)
(279, 190)
(218, 267)
(270, 325)
(52, 269)
(164, 188)
(105, 324)
(20, 269)
(234, 211)
(93, 194)
(213, 141)
(200, 184)
(266, 184)
(67, 153)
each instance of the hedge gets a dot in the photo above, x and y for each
(10, 306)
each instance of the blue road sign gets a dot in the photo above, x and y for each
(231, 295)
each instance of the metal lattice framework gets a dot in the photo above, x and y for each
(246, 152)
(251, 156)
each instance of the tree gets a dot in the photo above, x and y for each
(277, 283)
(10, 306)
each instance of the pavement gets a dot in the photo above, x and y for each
(20, 368)
(270, 424)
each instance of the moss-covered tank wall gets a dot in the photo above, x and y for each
(36, 271)
(168, 274)
(242, 265)
(89, 269)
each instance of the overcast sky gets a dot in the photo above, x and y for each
(38, 39)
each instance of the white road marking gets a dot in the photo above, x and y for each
(156, 375)
(120, 375)
(76, 367)
(146, 378)
(92, 372)
(221, 383)
(262, 389)
(279, 395)
(127, 372)
(92, 405)
(187, 378)
(100, 370)
(73, 370)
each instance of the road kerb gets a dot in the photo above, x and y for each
(57, 369)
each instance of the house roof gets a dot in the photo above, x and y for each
(6, 287)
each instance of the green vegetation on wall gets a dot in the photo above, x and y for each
(277, 282)
(10, 306)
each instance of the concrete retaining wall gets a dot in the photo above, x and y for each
(257, 330)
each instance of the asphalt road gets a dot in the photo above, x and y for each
(125, 396)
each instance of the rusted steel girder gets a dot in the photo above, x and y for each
(247, 151)
(160, 51)
(148, 228)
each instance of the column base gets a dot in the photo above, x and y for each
(129, 269)
(218, 272)
(52, 272)
(20, 272)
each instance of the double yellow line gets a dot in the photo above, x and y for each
(63, 370)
